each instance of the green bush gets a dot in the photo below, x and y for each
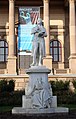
(60, 85)
(11, 86)
(3, 85)
(7, 86)
(74, 83)
(11, 99)
(61, 90)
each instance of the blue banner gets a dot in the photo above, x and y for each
(28, 19)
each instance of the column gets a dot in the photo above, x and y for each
(47, 25)
(72, 31)
(47, 61)
(11, 27)
(11, 64)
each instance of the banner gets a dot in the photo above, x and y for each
(27, 20)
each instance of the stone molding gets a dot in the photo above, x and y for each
(71, 1)
(11, 0)
(47, 1)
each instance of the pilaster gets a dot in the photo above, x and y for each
(72, 30)
(47, 25)
(47, 61)
(11, 64)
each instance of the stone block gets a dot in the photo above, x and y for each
(26, 102)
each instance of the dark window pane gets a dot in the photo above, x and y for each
(59, 50)
(55, 43)
(55, 57)
(6, 50)
(1, 50)
(1, 57)
(6, 57)
(59, 57)
(1, 43)
(55, 50)
(51, 51)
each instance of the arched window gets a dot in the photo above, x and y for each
(3, 51)
(56, 50)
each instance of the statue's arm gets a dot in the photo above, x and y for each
(34, 30)
(42, 33)
(45, 34)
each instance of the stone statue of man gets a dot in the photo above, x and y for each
(38, 46)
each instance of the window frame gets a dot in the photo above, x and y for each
(58, 46)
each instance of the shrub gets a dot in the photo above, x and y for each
(59, 85)
(3, 85)
(11, 99)
(74, 84)
(61, 90)
(7, 86)
(11, 86)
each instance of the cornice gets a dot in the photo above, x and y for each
(46, 1)
(71, 1)
(11, 0)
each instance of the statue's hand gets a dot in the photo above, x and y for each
(40, 34)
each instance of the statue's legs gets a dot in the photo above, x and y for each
(40, 55)
(35, 54)
(40, 60)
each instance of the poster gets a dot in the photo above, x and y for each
(27, 20)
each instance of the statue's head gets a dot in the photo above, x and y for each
(22, 13)
(39, 21)
(27, 14)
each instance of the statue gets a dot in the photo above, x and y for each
(38, 46)
(38, 89)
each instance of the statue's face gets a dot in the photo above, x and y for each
(39, 21)
(27, 14)
(22, 13)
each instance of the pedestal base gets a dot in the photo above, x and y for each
(27, 102)
(19, 110)
(38, 98)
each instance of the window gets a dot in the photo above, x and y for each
(55, 50)
(3, 51)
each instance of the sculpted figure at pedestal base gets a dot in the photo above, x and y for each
(38, 45)
(40, 94)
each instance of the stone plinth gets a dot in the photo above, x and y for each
(38, 98)
(27, 102)
(19, 110)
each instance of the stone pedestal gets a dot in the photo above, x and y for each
(38, 98)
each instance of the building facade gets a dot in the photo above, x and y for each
(59, 19)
